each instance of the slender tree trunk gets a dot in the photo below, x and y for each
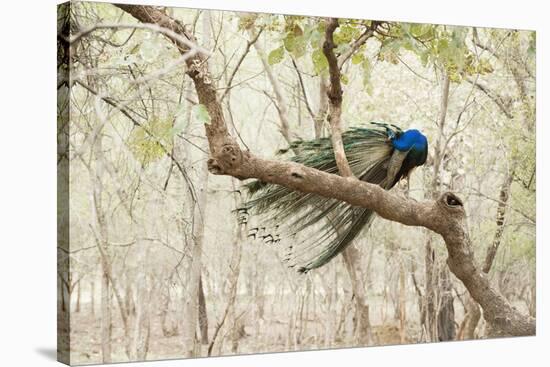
(232, 282)
(500, 220)
(78, 294)
(437, 316)
(473, 313)
(92, 298)
(102, 243)
(471, 319)
(429, 311)
(446, 329)
(362, 327)
(402, 304)
(322, 108)
(203, 317)
(62, 290)
(191, 305)
(106, 325)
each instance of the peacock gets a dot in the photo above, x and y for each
(378, 153)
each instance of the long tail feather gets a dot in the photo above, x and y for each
(336, 224)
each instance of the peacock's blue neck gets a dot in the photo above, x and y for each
(410, 139)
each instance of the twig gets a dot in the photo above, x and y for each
(238, 65)
(301, 80)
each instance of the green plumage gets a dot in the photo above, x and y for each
(335, 224)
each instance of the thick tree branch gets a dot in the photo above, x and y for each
(197, 68)
(445, 216)
(335, 99)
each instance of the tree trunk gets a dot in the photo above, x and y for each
(473, 314)
(102, 243)
(78, 294)
(446, 329)
(232, 282)
(191, 306)
(92, 298)
(428, 310)
(363, 328)
(437, 307)
(402, 304)
(106, 325)
(322, 107)
(471, 319)
(62, 291)
(203, 316)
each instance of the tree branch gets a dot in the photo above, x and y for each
(368, 33)
(497, 99)
(249, 44)
(303, 89)
(280, 103)
(335, 99)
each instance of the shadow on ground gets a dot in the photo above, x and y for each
(49, 353)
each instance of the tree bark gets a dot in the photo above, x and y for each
(191, 306)
(402, 303)
(438, 308)
(203, 316)
(232, 283)
(500, 219)
(78, 294)
(446, 328)
(322, 108)
(350, 254)
(102, 243)
(92, 298)
(335, 98)
(362, 326)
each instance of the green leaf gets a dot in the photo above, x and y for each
(532, 43)
(357, 58)
(367, 69)
(150, 141)
(442, 45)
(201, 114)
(276, 56)
(320, 62)
(424, 57)
(134, 49)
(416, 29)
(344, 79)
(296, 45)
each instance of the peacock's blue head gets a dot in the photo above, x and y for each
(408, 140)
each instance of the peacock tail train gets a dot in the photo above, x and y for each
(373, 156)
